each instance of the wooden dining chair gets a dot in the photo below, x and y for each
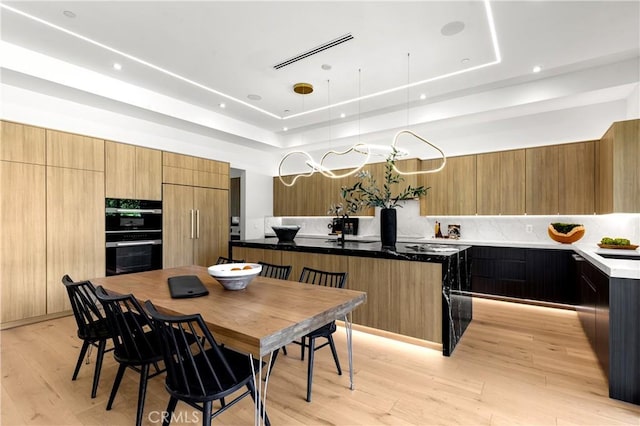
(327, 279)
(93, 329)
(270, 270)
(135, 343)
(201, 372)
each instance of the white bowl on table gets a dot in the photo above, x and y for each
(235, 276)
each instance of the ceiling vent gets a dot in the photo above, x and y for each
(315, 50)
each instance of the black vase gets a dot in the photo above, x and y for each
(388, 228)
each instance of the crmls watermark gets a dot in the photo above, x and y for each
(177, 416)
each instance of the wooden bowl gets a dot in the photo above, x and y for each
(570, 237)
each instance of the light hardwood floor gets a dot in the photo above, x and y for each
(517, 364)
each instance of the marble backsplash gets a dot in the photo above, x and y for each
(523, 228)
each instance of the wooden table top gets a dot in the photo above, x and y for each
(268, 314)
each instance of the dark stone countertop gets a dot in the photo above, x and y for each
(417, 252)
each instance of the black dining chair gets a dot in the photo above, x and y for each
(92, 325)
(270, 270)
(223, 260)
(204, 371)
(327, 279)
(135, 343)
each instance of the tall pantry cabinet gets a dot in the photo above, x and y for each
(52, 217)
(195, 205)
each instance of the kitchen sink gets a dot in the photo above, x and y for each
(347, 240)
(620, 256)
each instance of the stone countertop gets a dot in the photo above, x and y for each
(615, 268)
(361, 246)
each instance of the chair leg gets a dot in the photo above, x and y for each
(83, 352)
(96, 374)
(310, 367)
(335, 354)
(116, 385)
(171, 407)
(206, 413)
(142, 391)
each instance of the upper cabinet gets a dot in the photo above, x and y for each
(500, 183)
(132, 172)
(576, 178)
(618, 169)
(22, 144)
(193, 171)
(452, 191)
(314, 195)
(74, 151)
(541, 168)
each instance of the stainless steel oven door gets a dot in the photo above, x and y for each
(124, 257)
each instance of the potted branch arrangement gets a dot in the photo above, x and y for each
(367, 193)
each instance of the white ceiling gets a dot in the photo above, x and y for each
(180, 59)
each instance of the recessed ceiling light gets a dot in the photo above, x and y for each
(452, 28)
(285, 128)
(69, 14)
(222, 105)
(254, 97)
(537, 68)
(423, 96)
(343, 115)
(117, 66)
(325, 67)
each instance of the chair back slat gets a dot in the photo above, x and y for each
(132, 332)
(327, 279)
(195, 366)
(280, 272)
(83, 303)
(224, 260)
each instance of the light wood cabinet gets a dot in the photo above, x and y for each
(21, 143)
(315, 194)
(75, 230)
(23, 242)
(195, 225)
(132, 172)
(324, 262)
(576, 178)
(74, 151)
(452, 190)
(541, 180)
(193, 171)
(500, 183)
(618, 169)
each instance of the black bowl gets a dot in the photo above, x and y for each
(286, 233)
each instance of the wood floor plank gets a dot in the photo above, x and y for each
(516, 364)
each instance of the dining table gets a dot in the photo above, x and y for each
(258, 320)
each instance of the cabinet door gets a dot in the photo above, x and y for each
(212, 225)
(23, 242)
(542, 180)
(512, 182)
(210, 173)
(373, 276)
(435, 202)
(178, 225)
(24, 144)
(75, 230)
(488, 184)
(576, 178)
(177, 169)
(148, 167)
(75, 151)
(120, 170)
(461, 185)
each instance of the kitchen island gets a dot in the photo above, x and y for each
(416, 290)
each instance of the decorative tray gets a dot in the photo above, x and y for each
(613, 246)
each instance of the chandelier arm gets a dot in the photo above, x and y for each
(299, 175)
(421, 172)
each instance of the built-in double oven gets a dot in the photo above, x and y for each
(133, 235)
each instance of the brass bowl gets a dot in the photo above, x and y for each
(570, 237)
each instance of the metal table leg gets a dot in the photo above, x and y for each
(348, 328)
